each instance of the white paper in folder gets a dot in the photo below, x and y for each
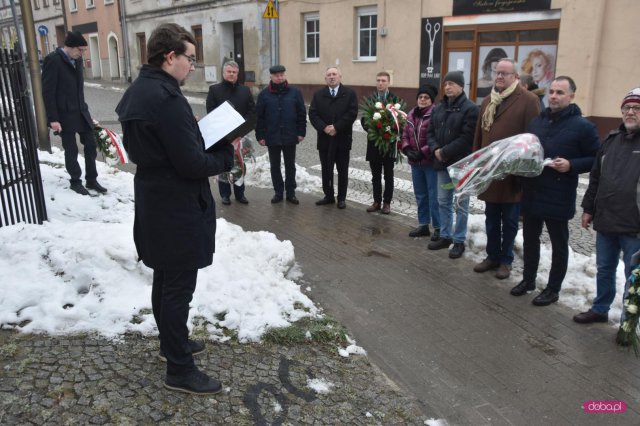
(219, 123)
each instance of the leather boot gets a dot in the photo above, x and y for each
(386, 208)
(374, 207)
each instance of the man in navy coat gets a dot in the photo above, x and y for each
(550, 199)
(67, 112)
(175, 218)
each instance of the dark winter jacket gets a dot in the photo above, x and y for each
(612, 197)
(239, 97)
(414, 134)
(175, 221)
(63, 92)
(565, 134)
(373, 153)
(282, 116)
(451, 129)
(340, 111)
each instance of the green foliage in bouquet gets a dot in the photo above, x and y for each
(628, 332)
(104, 144)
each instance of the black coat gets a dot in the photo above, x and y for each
(63, 93)
(565, 134)
(238, 95)
(373, 153)
(451, 129)
(281, 116)
(340, 111)
(175, 220)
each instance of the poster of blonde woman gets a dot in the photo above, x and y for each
(540, 62)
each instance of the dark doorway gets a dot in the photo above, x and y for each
(238, 50)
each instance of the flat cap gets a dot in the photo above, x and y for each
(276, 69)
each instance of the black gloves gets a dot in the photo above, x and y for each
(413, 154)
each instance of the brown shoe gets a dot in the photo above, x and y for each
(589, 317)
(373, 208)
(486, 265)
(386, 208)
(503, 271)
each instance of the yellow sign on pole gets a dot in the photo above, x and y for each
(270, 11)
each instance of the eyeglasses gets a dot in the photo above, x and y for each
(635, 108)
(192, 59)
(504, 74)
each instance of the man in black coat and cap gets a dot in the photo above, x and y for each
(68, 113)
(175, 219)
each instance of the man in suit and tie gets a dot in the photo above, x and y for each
(68, 113)
(332, 112)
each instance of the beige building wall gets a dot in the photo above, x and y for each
(596, 46)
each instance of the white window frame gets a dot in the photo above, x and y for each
(91, 4)
(108, 1)
(73, 5)
(309, 17)
(371, 30)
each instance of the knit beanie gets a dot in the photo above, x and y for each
(455, 76)
(74, 39)
(429, 90)
(632, 96)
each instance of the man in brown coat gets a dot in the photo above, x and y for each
(506, 112)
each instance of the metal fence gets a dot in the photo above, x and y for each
(21, 191)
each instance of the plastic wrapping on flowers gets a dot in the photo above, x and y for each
(384, 124)
(242, 154)
(520, 155)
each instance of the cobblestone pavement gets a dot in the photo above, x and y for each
(82, 380)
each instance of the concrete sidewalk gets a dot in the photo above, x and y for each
(471, 353)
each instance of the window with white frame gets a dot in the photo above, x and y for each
(90, 4)
(367, 32)
(108, 1)
(311, 36)
(73, 5)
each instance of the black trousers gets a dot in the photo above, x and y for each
(225, 190)
(376, 179)
(88, 140)
(289, 156)
(329, 158)
(170, 297)
(559, 235)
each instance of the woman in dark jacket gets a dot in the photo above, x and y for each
(425, 179)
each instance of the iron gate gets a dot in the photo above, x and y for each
(20, 181)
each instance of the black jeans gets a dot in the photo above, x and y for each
(376, 179)
(225, 190)
(289, 155)
(559, 235)
(170, 297)
(340, 159)
(71, 155)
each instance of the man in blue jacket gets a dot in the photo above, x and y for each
(175, 218)
(550, 199)
(281, 125)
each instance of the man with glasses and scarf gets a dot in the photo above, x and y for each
(506, 112)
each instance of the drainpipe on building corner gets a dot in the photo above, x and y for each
(125, 35)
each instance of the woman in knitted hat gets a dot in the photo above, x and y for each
(414, 146)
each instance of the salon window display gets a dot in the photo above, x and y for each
(539, 62)
(489, 57)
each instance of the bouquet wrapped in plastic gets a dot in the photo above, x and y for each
(109, 144)
(520, 155)
(243, 149)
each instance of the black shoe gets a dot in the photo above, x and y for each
(589, 317)
(226, 201)
(195, 382)
(326, 200)
(442, 243)
(522, 288)
(197, 347)
(545, 298)
(79, 188)
(342, 204)
(276, 199)
(242, 200)
(420, 231)
(436, 235)
(456, 251)
(93, 184)
(293, 200)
